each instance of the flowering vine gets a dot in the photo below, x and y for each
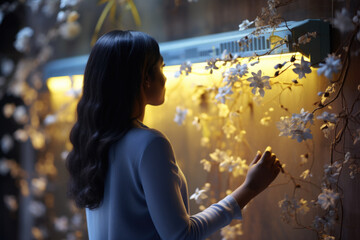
(237, 82)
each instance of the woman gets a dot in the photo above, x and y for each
(123, 172)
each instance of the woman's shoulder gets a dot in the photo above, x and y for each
(140, 137)
(145, 134)
(136, 141)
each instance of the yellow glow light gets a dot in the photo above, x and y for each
(59, 84)
(78, 81)
(64, 83)
(199, 74)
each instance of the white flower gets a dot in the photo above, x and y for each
(288, 208)
(8, 109)
(332, 65)
(180, 115)
(21, 135)
(22, 42)
(199, 195)
(230, 232)
(4, 167)
(259, 82)
(37, 208)
(304, 116)
(306, 174)
(326, 128)
(20, 115)
(50, 119)
(303, 207)
(327, 198)
(61, 16)
(211, 64)
(245, 24)
(239, 167)
(218, 155)
(343, 21)
(69, 30)
(185, 67)
(223, 93)
(295, 127)
(302, 68)
(61, 224)
(223, 110)
(347, 157)
(240, 136)
(232, 75)
(331, 172)
(11, 202)
(39, 185)
(68, 3)
(207, 165)
(7, 143)
(229, 129)
(328, 117)
(230, 164)
(7, 66)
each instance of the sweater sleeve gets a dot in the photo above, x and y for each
(161, 183)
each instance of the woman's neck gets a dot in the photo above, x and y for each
(139, 112)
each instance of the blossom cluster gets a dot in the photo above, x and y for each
(296, 126)
(291, 206)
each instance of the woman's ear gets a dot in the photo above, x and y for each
(146, 82)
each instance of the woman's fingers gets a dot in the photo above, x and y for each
(257, 157)
(267, 157)
(278, 165)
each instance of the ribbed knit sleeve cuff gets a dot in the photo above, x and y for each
(231, 203)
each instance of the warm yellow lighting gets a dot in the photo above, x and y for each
(201, 76)
(182, 91)
(65, 83)
(77, 81)
(198, 76)
(59, 84)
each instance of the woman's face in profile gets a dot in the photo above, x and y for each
(155, 91)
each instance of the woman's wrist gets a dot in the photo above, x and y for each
(243, 195)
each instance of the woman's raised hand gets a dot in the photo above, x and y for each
(262, 171)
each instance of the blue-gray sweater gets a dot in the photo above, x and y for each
(146, 195)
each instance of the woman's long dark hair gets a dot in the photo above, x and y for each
(112, 80)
